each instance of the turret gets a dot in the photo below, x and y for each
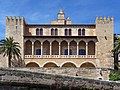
(15, 28)
(104, 33)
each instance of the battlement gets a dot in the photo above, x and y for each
(15, 20)
(104, 19)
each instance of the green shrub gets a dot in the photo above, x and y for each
(114, 76)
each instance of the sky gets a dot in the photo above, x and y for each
(43, 11)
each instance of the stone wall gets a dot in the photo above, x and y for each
(18, 77)
(3, 61)
(90, 73)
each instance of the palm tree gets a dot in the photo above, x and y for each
(116, 50)
(9, 48)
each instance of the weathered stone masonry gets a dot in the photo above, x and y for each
(18, 77)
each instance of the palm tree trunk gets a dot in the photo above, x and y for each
(9, 60)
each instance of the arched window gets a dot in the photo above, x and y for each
(56, 31)
(69, 31)
(41, 31)
(83, 32)
(37, 31)
(52, 31)
(79, 32)
(65, 32)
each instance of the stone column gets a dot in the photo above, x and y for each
(50, 49)
(86, 50)
(59, 49)
(41, 49)
(32, 49)
(77, 49)
(68, 49)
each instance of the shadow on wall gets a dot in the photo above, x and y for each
(17, 62)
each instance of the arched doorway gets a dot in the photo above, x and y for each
(69, 64)
(87, 65)
(50, 64)
(28, 47)
(32, 64)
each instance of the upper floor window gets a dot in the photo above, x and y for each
(54, 32)
(65, 32)
(68, 32)
(39, 32)
(81, 32)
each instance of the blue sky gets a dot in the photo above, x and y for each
(43, 11)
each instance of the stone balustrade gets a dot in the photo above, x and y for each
(60, 56)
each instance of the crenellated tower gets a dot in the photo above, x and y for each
(15, 28)
(104, 33)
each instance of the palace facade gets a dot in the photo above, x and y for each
(63, 44)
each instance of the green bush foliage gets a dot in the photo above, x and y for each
(114, 76)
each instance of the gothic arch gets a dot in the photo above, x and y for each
(64, 47)
(37, 46)
(91, 48)
(73, 48)
(32, 64)
(46, 47)
(82, 48)
(28, 47)
(55, 47)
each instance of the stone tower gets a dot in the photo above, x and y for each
(104, 33)
(15, 28)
